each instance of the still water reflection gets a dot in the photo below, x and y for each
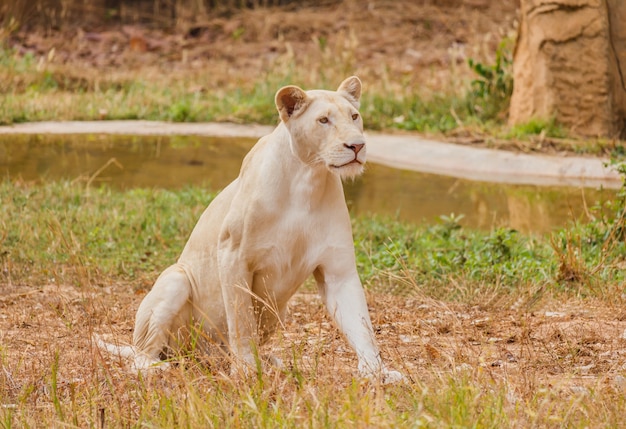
(177, 161)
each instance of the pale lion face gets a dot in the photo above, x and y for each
(326, 126)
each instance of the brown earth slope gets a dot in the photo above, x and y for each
(425, 40)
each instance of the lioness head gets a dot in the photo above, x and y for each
(325, 126)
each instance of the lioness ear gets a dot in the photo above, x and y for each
(290, 100)
(351, 89)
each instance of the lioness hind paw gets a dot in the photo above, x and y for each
(275, 361)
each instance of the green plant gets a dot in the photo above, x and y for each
(437, 255)
(54, 387)
(491, 90)
(536, 126)
(590, 254)
(180, 111)
(450, 223)
(238, 33)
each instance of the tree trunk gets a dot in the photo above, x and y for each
(570, 65)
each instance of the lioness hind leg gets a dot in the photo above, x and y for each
(164, 312)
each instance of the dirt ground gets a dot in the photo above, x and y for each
(428, 40)
(564, 347)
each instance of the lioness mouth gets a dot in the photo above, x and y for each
(354, 161)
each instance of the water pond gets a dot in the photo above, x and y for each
(178, 161)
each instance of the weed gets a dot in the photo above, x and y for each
(238, 33)
(590, 255)
(536, 127)
(54, 388)
(491, 90)
(440, 254)
(180, 111)
(450, 223)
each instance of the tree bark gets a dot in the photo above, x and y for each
(570, 64)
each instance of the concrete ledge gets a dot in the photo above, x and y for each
(408, 152)
(490, 165)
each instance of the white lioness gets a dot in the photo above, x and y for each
(283, 219)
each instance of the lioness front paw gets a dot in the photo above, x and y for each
(146, 364)
(383, 375)
(390, 377)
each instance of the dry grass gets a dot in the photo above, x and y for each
(466, 366)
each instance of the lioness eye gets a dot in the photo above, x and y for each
(355, 116)
(323, 120)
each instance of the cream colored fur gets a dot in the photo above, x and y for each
(283, 219)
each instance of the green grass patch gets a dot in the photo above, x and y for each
(69, 233)
(535, 127)
(429, 257)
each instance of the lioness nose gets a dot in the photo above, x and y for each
(355, 147)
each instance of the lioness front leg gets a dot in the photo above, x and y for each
(344, 298)
(236, 284)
